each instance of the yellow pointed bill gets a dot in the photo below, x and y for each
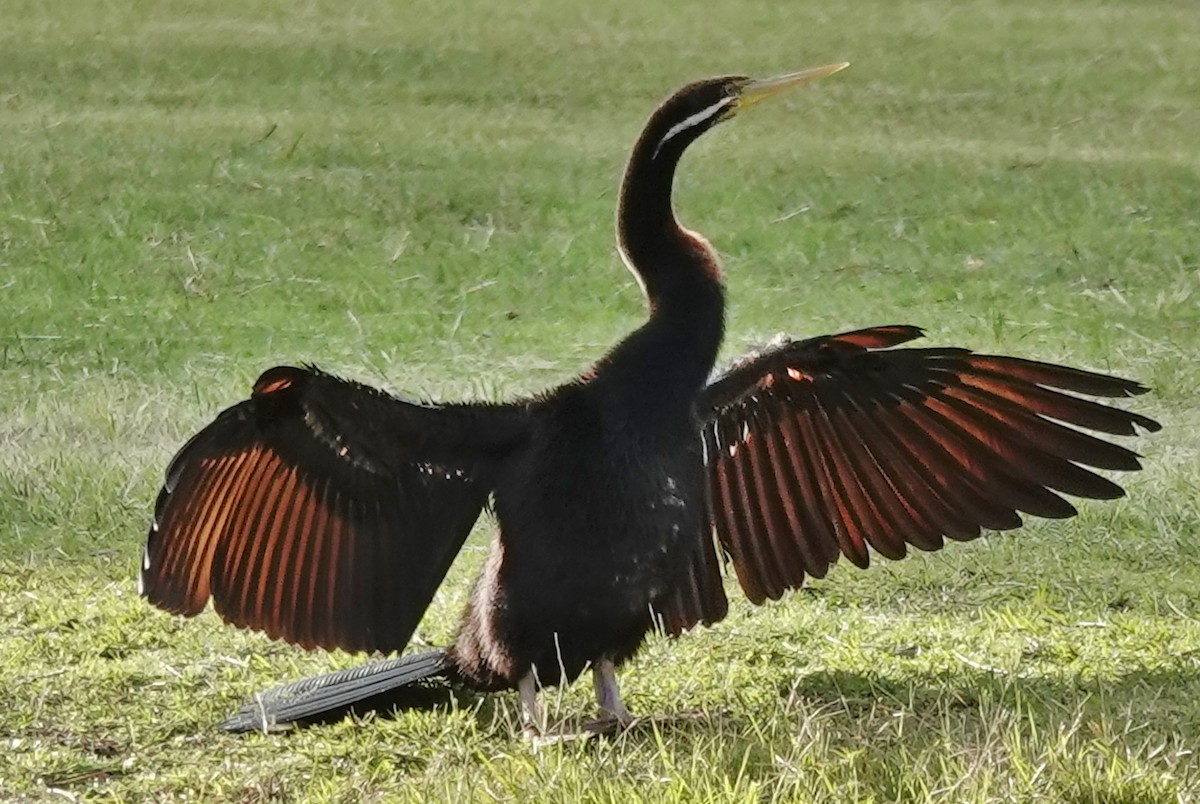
(760, 89)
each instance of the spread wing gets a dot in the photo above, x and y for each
(323, 512)
(823, 447)
(699, 592)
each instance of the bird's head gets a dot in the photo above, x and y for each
(699, 106)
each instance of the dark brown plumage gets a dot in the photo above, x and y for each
(326, 513)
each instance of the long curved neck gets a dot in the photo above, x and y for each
(670, 262)
(679, 272)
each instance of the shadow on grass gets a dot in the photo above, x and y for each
(1158, 699)
(1120, 738)
(840, 736)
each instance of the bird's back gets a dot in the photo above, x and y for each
(596, 516)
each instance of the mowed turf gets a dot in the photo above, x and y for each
(420, 195)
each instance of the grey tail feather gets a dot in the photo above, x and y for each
(332, 695)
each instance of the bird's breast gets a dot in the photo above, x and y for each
(603, 508)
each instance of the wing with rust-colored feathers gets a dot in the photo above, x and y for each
(828, 446)
(323, 512)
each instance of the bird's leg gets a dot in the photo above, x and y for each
(614, 715)
(608, 694)
(533, 720)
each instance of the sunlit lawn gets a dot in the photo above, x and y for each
(420, 195)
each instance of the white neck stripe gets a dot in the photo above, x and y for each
(694, 120)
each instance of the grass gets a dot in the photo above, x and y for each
(188, 192)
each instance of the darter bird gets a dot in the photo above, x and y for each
(326, 513)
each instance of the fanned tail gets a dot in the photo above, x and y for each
(397, 683)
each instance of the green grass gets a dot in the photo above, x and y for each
(191, 192)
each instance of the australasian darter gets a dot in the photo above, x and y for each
(326, 513)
